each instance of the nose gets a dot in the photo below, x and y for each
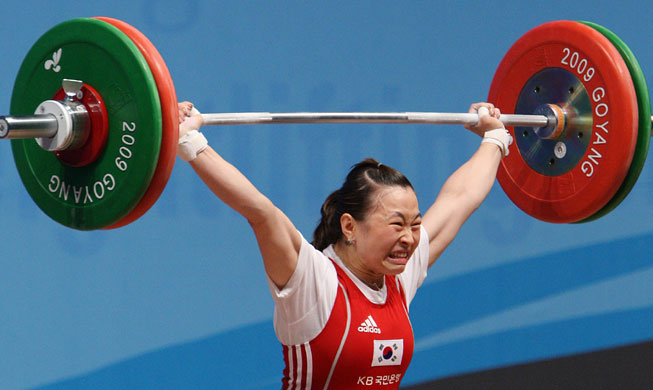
(408, 238)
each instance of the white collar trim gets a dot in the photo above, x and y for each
(375, 296)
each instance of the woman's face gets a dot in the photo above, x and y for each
(390, 231)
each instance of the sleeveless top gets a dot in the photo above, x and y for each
(363, 345)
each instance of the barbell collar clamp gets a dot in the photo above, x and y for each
(73, 125)
(557, 121)
(73, 89)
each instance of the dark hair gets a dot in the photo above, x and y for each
(354, 197)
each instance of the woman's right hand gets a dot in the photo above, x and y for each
(189, 119)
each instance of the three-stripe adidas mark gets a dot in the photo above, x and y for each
(369, 326)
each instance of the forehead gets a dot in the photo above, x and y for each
(388, 201)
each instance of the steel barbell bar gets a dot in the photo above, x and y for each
(37, 126)
(45, 126)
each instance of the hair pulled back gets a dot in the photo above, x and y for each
(354, 197)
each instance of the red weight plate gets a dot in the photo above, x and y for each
(97, 139)
(590, 183)
(170, 123)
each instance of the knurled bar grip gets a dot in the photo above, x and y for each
(444, 118)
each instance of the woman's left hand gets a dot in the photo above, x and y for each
(485, 122)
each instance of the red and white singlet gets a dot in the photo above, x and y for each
(363, 345)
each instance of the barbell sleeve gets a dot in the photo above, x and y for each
(28, 126)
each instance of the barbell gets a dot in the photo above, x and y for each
(94, 122)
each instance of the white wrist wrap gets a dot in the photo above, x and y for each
(499, 137)
(191, 144)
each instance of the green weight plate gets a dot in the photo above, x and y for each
(101, 193)
(644, 129)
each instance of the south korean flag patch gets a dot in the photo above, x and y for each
(388, 352)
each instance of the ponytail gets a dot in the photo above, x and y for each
(328, 230)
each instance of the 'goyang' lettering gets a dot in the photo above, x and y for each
(81, 194)
(600, 133)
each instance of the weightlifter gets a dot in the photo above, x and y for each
(341, 301)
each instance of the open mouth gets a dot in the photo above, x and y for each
(398, 257)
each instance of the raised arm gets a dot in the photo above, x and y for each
(464, 191)
(278, 239)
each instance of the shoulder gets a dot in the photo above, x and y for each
(303, 306)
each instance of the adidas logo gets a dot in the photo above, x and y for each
(369, 326)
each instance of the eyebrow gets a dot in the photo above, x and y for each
(402, 216)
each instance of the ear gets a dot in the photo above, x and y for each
(348, 225)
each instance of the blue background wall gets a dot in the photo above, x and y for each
(179, 298)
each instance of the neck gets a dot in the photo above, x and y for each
(351, 260)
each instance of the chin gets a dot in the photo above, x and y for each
(393, 268)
